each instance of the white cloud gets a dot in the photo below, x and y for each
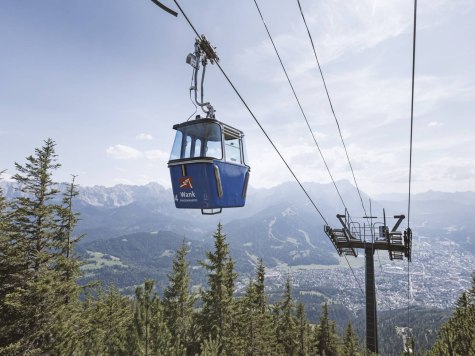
(123, 152)
(124, 181)
(319, 136)
(447, 168)
(338, 29)
(358, 25)
(156, 155)
(5, 176)
(434, 124)
(126, 153)
(144, 136)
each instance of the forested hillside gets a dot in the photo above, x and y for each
(45, 311)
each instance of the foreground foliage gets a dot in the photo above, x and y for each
(43, 310)
(457, 335)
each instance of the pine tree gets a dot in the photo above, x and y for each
(162, 343)
(445, 342)
(210, 347)
(10, 266)
(218, 302)
(256, 329)
(457, 335)
(66, 334)
(178, 303)
(464, 323)
(116, 315)
(350, 342)
(260, 295)
(286, 325)
(143, 316)
(195, 335)
(153, 336)
(302, 329)
(37, 292)
(104, 323)
(65, 241)
(92, 324)
(327, 338)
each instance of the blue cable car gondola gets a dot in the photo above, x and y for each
(208, 166)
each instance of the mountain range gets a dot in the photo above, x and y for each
(278, 224)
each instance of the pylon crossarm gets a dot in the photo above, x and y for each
(398, 222)
(346, 230)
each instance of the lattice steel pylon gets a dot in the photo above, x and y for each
(371, 237)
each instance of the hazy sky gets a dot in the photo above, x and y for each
(108, 79)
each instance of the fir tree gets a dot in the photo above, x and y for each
(327, 339)
(218, 303)
(260, 295)
(91, 327)
(67, 266)
(302, 331)
(116, 317)
(445, 342)
(143, 315)
(104, 323)
(177, 301)
(286, 325)
(37, 292)
(10, 266)
(350, 342)
(457, 335)
(256, 329)
(152, 332)
(210, 347)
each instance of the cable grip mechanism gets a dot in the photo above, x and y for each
(203, 53)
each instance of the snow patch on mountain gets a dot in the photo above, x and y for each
(293, 241)
(289, 212)
(299, 254)
(253, 259)
(269, 230)
(167, 253)
(307, 238)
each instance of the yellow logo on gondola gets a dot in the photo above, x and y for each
(186, 183)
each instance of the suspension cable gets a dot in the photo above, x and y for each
(337, 124)
(256, 120)
(331, 106)
(309, 127)
(298, 102)
(412, 113)
(410, 159)
(336, 121)
(271, 142)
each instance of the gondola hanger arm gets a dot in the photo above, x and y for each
(164, 8)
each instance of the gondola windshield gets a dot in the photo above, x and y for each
(198, 140)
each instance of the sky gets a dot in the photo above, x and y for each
(107, 80)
